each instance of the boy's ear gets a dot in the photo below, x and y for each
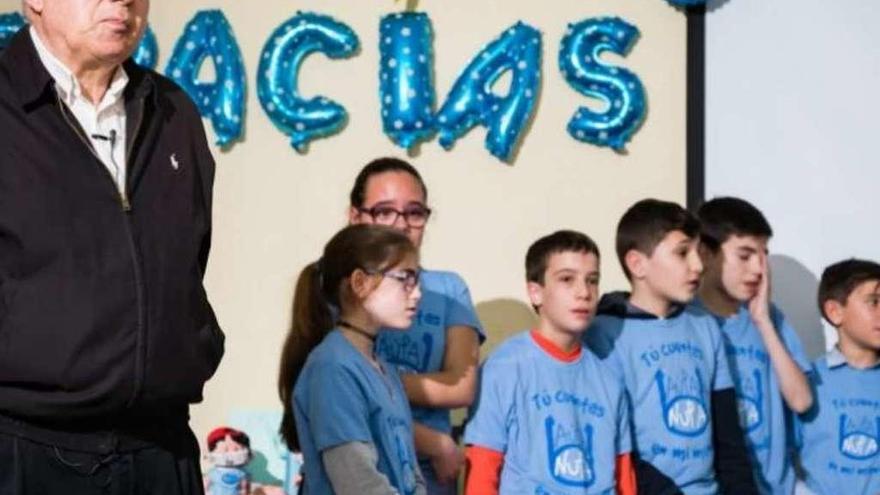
(636, 262)
(536, 293)
(833, 311)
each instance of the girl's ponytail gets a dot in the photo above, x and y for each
(311, 321)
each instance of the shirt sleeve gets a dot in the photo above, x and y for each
(492, 411)
(483, 471)
(338, 410)
(625, 475)
(624, 429)
(351, 469)
(460, 310)
(791, 340)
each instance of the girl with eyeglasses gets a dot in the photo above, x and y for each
(439, 354)
(344, 406)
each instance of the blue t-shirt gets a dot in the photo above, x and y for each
(339, 398)
(446, 302)
(763, 414)
(670, 368)
(840, 435)
(560, 425)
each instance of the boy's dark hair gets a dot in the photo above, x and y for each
(380, 166)
(721, 218)
(647, 222)
(840, 279)
(560, 241)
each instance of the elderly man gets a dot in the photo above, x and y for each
(106, 335)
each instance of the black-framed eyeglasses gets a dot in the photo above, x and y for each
(408, 278)
(415, 216)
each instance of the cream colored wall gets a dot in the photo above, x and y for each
(274, 209)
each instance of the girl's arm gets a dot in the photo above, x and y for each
(441, 449)
(456, 382)
(351, 469)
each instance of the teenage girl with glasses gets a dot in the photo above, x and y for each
(344, 406)
(439, 355)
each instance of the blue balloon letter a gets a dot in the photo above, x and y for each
(300, 118)
(471, 100)
(620, 90)
(208, 33)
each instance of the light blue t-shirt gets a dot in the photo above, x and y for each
(446, 302)
(226, 480)
(765, 418)
(339, 398)
(560, 425)
(840, 435)
(670, 368)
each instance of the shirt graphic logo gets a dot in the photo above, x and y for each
(406, 466)
(174, 163)
(570, 454)
(750, 401)
(407, 353)
(684, 411)
(859, 439)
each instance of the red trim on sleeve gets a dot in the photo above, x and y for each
(552, 349)
(625, 474)
(483, 470)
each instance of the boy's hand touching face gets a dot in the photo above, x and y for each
(759, 304)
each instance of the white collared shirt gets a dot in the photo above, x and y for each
(103, 124)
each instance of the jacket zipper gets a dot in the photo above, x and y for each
(138, 277)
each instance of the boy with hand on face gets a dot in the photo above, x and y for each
(767, 362)
(670, 358)
(549, 417)
(840, 435)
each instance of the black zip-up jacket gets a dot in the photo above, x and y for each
(102, 309)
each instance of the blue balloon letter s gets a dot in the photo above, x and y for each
(277, 81)
(620, 90)
(208, 33)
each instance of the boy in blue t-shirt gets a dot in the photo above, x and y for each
(549, 418)
(767, 362)
(671, 360)
(840, 435)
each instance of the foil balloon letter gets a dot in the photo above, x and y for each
(222, 100)
(472, 101)
(619, 89)
(9, 25)
(687, 3)
(406, 88)
(303, 119)
(147, 52)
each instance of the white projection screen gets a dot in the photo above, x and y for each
(791, 107)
